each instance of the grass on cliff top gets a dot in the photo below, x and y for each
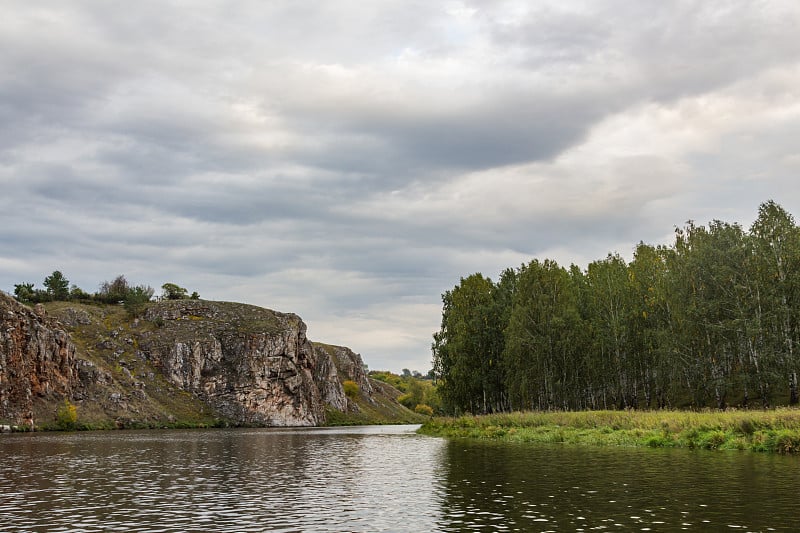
(205, 316)
(776, 431)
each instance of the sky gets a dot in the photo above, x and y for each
(350, 161)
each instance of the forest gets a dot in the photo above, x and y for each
(711, 320)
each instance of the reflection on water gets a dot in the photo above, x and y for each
(357, 479)
(378, 479)
(503, 487)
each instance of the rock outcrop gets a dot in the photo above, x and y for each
(349, 366)
(252, 365)
(37, 360)
(186, 361)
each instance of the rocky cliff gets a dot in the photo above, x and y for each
(37, 361)
(185, 362)
(250, 364)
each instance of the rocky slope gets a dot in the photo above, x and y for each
(185, 362)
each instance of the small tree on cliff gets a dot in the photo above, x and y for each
(57, 286)
(136, 299)
(174, 292)
(24, 292)
(114, 291)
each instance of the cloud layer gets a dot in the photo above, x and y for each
(350, 162)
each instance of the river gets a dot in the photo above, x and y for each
(379, 478)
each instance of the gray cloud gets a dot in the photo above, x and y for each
(351, 161)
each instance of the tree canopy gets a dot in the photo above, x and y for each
(712, 320)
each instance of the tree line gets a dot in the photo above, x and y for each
(710, 320)
(118, 291)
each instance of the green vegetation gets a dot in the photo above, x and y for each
(776, 431)
(416, 389)
(57, 286)
(174, 292)
(351, 388)
(712, 320)
(57, 289)
(381, 408)
(423, 409)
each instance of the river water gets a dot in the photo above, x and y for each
(379, 478)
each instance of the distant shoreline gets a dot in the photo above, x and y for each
(771, 431)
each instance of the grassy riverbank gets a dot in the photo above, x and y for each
(776, 431)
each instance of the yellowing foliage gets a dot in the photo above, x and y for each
(351, 388)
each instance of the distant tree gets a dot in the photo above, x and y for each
(24, 292)
(415, 390)
(137, 298)
(174, 292)
(114, 291)
(392, 379)
(467, 350)
(415, 393)
(195, 295)
(57, 286)
(76, 293)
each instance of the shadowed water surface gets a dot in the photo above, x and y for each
(378, 479)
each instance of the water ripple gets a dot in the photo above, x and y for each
(228, 480)
(375, 479)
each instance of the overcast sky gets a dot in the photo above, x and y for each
(349, 161)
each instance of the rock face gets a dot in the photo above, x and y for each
(37, 360)
(252, 365)
(349, 366)
(326, 377)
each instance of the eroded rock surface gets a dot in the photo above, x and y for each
(253, 365)
(37, 360)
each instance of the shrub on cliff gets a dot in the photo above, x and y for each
(67, 416)
(25, 293)
(56, 289)
(112, 292)
(351, 388)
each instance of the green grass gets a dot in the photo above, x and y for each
(774, 431)
(383, 409)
